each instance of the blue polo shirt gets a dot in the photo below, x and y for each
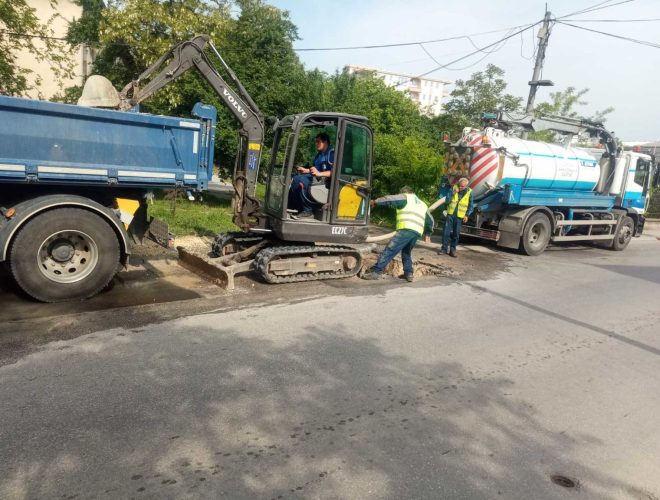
(324, 160)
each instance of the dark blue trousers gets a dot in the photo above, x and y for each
(404, 240)
(299, 193)
(451, 232)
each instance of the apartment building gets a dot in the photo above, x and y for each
(60, 17)
(426, 92)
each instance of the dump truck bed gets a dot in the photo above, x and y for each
(51, 143)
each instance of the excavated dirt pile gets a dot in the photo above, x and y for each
(426, 261)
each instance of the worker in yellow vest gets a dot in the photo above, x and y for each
(458, 210)
(412, 223)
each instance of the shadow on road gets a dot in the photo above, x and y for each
(648, 273)
(215, 414)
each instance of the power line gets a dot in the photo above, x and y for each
(613, 20)
(594, 8)
(30, 35)
(404, 44)
(481, 49)
(301, 49)
(581, 11)
(620, 37)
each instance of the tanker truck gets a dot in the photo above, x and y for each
(528, 193)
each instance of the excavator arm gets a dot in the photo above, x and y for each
(183, 57)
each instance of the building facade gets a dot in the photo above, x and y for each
(426, 92)
(81, 57)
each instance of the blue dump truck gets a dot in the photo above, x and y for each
(73, 182)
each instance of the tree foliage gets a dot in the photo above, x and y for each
(21, 33)
(257, 42)
(484, 91)
(404, 154)
(566, 103)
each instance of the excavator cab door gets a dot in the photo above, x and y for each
(352, 175)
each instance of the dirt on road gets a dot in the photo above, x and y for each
(155, 289)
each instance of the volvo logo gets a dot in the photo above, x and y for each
(234, 103)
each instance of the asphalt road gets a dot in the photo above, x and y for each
(473, 388)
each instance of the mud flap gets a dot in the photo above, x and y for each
(159, 231)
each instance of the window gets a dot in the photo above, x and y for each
(352, 203)
(278, 171)
(642, 171)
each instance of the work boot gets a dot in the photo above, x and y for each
(304, 215)
(452, 253)
(409, 277)
(370, 275)
(442, 251)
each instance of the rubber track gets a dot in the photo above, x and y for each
(222, 239)
(264, 257)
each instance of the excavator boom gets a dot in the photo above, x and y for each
(190, 54)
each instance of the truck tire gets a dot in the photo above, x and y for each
(536, 235)
(64, 254)
(624, 234)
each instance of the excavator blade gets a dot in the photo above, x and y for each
(212, 269)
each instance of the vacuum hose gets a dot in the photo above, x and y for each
(384, 237)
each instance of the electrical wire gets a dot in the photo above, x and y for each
(301, 49)
(581, 11)
(620, 37)
(481, 49)
(613, 20)
(594, 8)
(404, 44)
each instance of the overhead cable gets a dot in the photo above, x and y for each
(596, 7)
(404, 44)
(481, 49)
(620, 37)
(613, 20)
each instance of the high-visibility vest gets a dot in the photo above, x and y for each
(463, 203)
(413, 215)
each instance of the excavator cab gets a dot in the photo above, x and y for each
(341, 202)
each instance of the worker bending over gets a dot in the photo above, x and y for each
(412, 222)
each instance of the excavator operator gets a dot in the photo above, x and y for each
(299, 197)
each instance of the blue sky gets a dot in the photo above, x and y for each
(618, 73)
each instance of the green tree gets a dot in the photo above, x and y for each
(257, 42)
(483, 91)
(86, 28)
(566, 103)
(21, 32)
(404, 152)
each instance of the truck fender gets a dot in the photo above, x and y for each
(638, 220)
(513, 222)
(26, 210)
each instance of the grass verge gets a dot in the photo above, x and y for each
(193, 218)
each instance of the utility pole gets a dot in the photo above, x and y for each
(535, 83)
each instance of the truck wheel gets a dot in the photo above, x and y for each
(536, 235)
(64, 254)
(624, 234)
